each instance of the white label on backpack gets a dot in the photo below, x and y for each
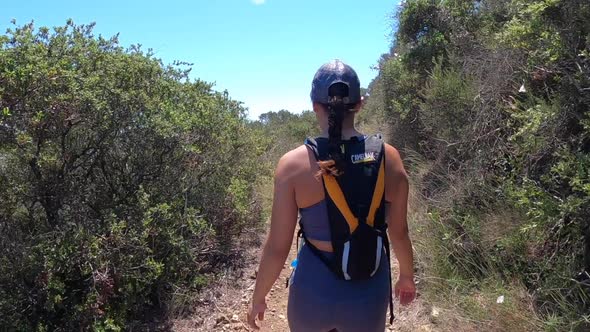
(363, 157)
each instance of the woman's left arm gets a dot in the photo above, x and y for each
(280, 237)
(396, 192)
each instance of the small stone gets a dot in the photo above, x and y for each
(235, 318)
(435, 312)
(221, 320)
(282, 316)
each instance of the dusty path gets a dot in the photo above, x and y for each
(229, 311)
(411, 318)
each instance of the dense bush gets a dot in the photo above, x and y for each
(286, 131)
(491, 100)
(281, 131)
(120, 181)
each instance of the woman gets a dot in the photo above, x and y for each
(317, 181)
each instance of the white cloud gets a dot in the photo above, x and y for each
(258, 2)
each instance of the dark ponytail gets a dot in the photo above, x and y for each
(337, 111)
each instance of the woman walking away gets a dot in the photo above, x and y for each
(351, 191)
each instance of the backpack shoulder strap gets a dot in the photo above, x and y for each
(333, 188)
(312, 144)
(378, 194)
(377, 144)
(337, 196)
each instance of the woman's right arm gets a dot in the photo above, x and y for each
(280, 237)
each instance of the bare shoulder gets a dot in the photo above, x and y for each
(396, 178)
(393, 161)
(292, 164)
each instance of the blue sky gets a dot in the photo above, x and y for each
(264, 52)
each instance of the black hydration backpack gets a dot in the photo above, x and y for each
(356, 209)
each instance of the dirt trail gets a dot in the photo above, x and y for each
(231, 304)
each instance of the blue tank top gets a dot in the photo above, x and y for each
(314, 219)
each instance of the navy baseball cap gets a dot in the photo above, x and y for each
(333, 72)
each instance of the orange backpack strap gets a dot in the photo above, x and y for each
(333, 189)
(377, 194)
(337, 196)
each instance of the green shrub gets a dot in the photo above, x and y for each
(492, 96)
(120, 181)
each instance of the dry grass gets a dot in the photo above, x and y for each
(462, 305)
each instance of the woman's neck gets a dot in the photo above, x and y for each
(347, 133)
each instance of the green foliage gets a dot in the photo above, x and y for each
(493, 97)
(448, 100)
(532, 125)
(286, 131)
(528, 29)
(281, 131)
(120, 180)
(422, 29)
(401, 85)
